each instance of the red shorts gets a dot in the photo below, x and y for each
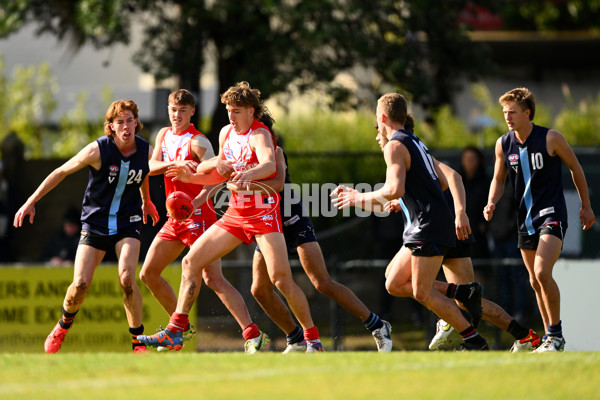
(188, 231)
(245, 228)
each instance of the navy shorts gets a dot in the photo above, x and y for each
(297, 230)
(555, 228)
(427, 249)
(107, 242)
(463, 249)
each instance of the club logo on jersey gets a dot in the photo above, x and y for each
(113, 171)
(268, 217)
(513, 159)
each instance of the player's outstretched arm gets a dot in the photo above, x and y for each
(89, 155)
(183, 174)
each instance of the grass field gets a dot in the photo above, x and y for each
(333, 375)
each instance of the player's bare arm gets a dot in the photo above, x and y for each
(455, 184)
(557, 145)
(88, 156)
(202, 151)
(395, 155)
(157, 164)
(266, 186)
(497, 185)
(262, 143)
(219, 162)
(148, 208)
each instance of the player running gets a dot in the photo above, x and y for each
(412, 174)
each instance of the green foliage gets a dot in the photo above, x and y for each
(445, 130)
(550, 15)
(328, 131)
(12, 16)
(579, 122)
(75, 128)
(29, 98)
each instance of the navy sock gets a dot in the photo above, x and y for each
(134, 334)
(517, 330)
(67, 319)
(451, 290)
(137, 331)
(295, 336)
(555, 330)
(373, 322)
(470, 335)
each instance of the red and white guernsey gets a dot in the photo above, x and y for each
(237, 149)
(177, 147)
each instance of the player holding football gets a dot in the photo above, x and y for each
(532, 156)
(250, 147)
(115, 203)
(183, 145)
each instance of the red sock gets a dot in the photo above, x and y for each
(311, 334)
(178, 322)
(250, 332)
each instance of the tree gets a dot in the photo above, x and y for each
(413, 45)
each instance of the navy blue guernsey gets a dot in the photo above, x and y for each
(295, 210)
(537, 181)
(112, 199)
(427, 213)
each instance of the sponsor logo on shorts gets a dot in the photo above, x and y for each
(292, 220)
(194, 226)
(135, 218)
(547, 211)
(268, 217)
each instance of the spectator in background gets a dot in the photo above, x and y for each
(476, 185)
(62, 248)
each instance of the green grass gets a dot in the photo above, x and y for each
(333, 375)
